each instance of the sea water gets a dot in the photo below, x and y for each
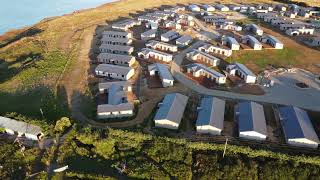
(16, 14)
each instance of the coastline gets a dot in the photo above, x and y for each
(21, 29)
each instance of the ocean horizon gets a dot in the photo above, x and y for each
(16, 14)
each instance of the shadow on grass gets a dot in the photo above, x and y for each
(27, 33)
(29, 102)
(21, 63)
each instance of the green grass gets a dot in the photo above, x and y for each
(277, 58)
(29, 102)
(29, 68)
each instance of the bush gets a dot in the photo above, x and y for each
(62, 124)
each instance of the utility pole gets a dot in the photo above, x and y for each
(225, 147)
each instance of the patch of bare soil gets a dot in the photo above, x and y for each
(248, 89)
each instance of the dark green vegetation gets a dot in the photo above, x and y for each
(104, 153)
(16, 164)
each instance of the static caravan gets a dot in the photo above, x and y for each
(150, 34)
(194, 8)
(163, 72)
(200, 70)
(222, 7)
(252, 42)
(114, 71)
(232, 43)
(170, 111)
(209, 48)
(184, 41)
(242, 71)
(116, 59)
(273, 41)
(21, 129)
(117, 104)
(116, 49)
(297, 127)
(210, 115)
(197, 55)
(161, 46)
(147, 53)
(251, 121)
(169, 36)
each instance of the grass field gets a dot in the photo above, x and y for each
(46, 56)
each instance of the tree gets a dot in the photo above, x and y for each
(62, 124)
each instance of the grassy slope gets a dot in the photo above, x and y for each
(37, 57)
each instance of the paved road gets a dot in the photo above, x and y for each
(210, 33)
(279, 94)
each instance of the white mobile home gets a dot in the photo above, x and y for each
(231, 27)
(117, 34)
(163, 72)
(252, 42)
(194, 8)
(116, 41)
(152, 25)
(116, 59)
(198, 70)
(209, 48)
(210, 115)
(300, 31)
(297, 127)
(208, 8)
(242, 71)
(222, 7)
(114, 71)
(255, 29)
(291, 25)
(161, 46)
(116, 49)
(21, 129)
(273, 41)
(251, 121)
(117, 104)
(168, 36)
(147, 53)
(150, 34)
(231, 42)
(172, 25)
(184, 41)
(126, 24)
(197, 55)
(170, 111)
